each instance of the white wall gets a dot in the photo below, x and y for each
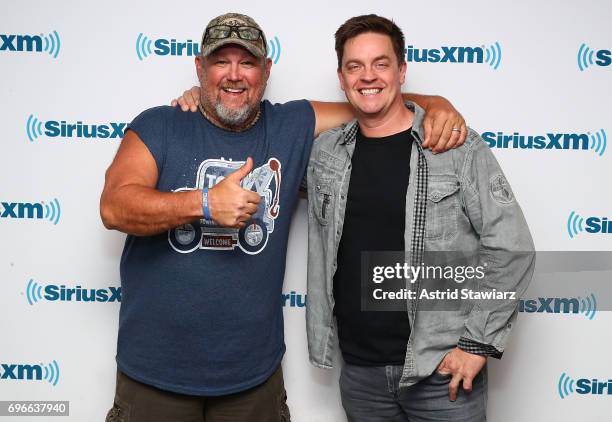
(97, 78)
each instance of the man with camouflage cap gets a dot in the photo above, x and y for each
(206, 200)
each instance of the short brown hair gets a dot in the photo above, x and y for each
(370, 23)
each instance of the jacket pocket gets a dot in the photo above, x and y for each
(323, 200)
(442, 208)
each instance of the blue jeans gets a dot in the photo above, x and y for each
(371, 394)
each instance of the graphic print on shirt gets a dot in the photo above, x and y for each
(251, 239)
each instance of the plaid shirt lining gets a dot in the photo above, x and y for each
(417, 247)
(476, 348)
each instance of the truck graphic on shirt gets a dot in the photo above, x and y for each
(251, 239)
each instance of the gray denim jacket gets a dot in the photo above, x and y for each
(468, 206)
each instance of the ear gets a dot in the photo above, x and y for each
(402, 72)
(268, 66)
(341, 79)
(199, 64)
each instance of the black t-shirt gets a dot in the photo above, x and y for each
(374, 221)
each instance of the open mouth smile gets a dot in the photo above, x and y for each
(369, 91)
(233, 90)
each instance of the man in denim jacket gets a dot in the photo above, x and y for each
(405, 365)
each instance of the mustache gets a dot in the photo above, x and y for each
(233, 86)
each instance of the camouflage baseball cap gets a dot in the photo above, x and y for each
(234, 28)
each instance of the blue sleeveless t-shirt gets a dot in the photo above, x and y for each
(201, 310)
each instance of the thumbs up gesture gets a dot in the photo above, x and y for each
(230, 205)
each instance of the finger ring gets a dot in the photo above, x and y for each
(455, 130)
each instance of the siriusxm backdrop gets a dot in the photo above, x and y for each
(535, 78)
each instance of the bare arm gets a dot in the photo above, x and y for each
(331, 115)
(328, 115)
(131, 204)
(440, 117)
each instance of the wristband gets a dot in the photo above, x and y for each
(205, 209)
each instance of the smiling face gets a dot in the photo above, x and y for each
(232, 84)
(370, 75)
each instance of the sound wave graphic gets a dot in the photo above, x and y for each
(494, 55)
(143, 46)
(565, 387)
(599, 142)
(33, 292)
(52, 44)
(585, 57)
(274, 49)
(33, 128)
(52, 373)
(575, 224)
(588, 306)
(53, 211)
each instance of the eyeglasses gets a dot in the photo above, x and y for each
(225, 31)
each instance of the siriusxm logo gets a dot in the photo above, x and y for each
(592, 386)
(274, 49)
(596, 142)
(32, 210)
(36, 128)
(489, 55)
(60, 293)
(146, 47)
(163, 47)
(594, 225)
(33, 43)
(293, 300)
(585, 57)
(14, 371)
(586, 306)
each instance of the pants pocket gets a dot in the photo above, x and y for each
(285, 416)
(438, 377)
(120, 412)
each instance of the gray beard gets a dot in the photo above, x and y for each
(235, 120)
(232, 118)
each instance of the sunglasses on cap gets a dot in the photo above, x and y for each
(219, 32)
